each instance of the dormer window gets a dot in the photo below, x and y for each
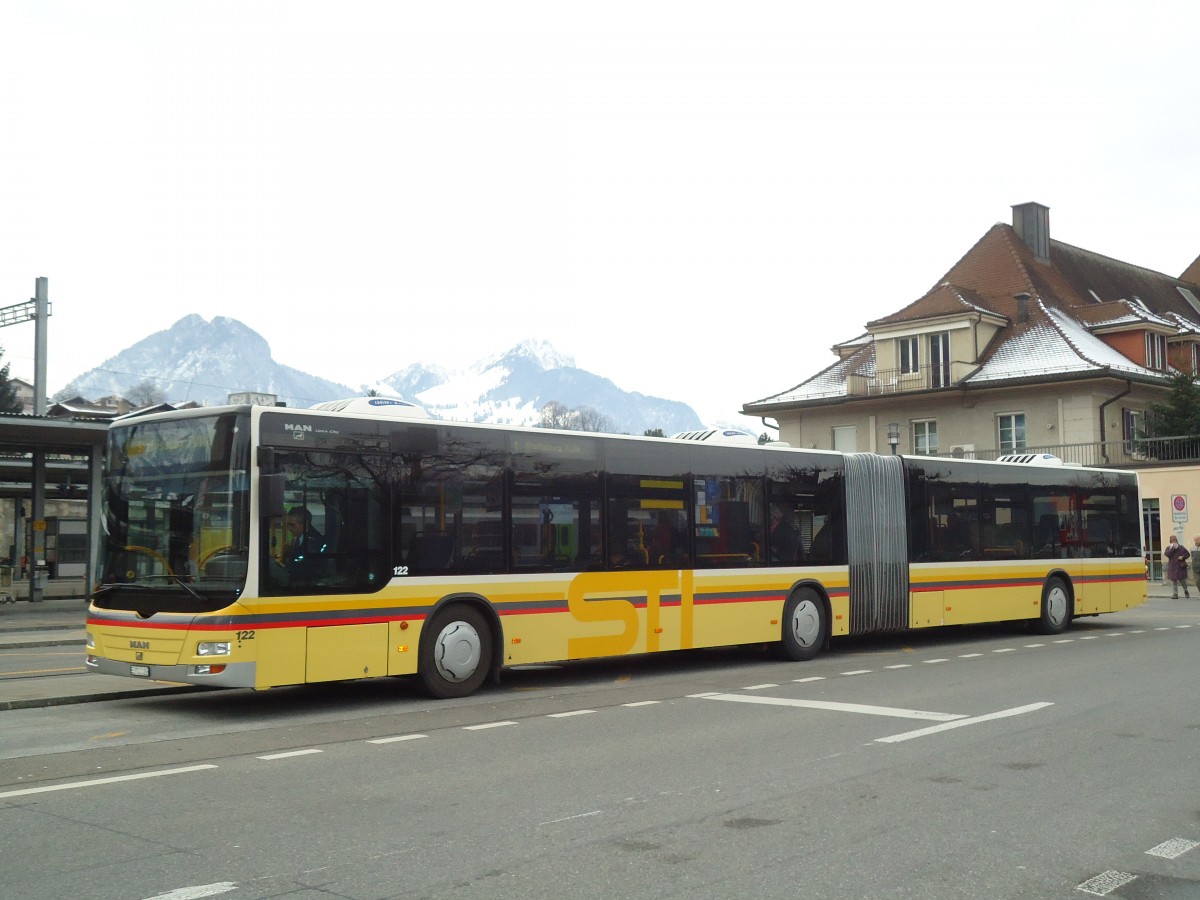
(1156, 351)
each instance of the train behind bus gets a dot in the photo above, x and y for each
(255, 547)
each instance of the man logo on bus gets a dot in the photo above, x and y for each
(293, 426)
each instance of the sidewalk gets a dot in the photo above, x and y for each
(59, 622)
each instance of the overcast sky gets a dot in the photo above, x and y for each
(694, 199)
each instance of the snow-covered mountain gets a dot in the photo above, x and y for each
(207, 361)
(511, 388)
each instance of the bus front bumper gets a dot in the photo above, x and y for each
(233, 675)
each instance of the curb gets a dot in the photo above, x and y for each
(48, 642)
(40, 702)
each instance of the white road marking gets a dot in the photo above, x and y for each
(858, 672)
(24, 792)
(195, 893)
(859, 708)
(1031, 646)
(969, 655)
(931, 661)
(399, 737)
(594, 812)
(643, 703)
(1005, 650)
(759, 687)
(961, 721)
(290, 753)
(1089, 637)
(900, 666)
(1105, 883)
(808, 679)
(1173, 848)
(487, 725)
(574, 712)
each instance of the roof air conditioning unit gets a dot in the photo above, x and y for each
(963, 451)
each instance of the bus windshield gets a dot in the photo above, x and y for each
(176, 514)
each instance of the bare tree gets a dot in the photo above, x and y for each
(145, 393)
(555, 415)
(588, 419)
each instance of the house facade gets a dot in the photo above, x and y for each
(1026, 345)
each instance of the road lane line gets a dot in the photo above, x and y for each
(1105, 883)
(24, 792)
(860, 708)
(1172, 849)
(585, 815)
(198, 891)
(290, 753)
(961, 721)
(398, 737)
(487, 725)
(574, 712)
(643, 703)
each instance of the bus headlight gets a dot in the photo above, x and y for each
(91, 641)
(212, 648)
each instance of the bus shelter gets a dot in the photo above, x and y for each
(42, 458)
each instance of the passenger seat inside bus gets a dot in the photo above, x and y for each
(431, 550)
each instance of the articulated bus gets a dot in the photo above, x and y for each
(449, 551)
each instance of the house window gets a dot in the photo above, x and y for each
(925, 440)
(845, 438)
(909, 355)
(939, 359)
(1195, 354)
(1133, 428)
(1011, 432)
(1156, 351)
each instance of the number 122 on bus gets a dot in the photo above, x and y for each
(261, 546)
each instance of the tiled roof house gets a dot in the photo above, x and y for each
(1026, 343)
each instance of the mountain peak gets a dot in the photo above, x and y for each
(539, 352)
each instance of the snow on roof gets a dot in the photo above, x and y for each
(1065, 345)
(830, 383)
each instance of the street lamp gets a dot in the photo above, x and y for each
(893, 436)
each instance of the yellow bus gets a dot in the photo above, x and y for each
(262, 546)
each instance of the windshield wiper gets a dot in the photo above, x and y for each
(187, 587)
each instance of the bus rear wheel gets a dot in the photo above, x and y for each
(456, 652)
(1056, 607)
(805, 626)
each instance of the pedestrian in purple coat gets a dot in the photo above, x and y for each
(1177, 566)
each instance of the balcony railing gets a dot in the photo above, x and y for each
(896, 381)
(1141, 452)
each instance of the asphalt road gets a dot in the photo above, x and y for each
(973, 763)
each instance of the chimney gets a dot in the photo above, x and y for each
(1022, 307)
(1031, 222)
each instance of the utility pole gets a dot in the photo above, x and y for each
(37, 557)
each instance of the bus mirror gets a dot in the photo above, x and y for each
(271, 496)
(266, 458)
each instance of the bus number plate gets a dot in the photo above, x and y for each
(141, 671)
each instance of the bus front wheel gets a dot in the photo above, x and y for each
(456, 652)
(805, 625)
(1056, 607)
